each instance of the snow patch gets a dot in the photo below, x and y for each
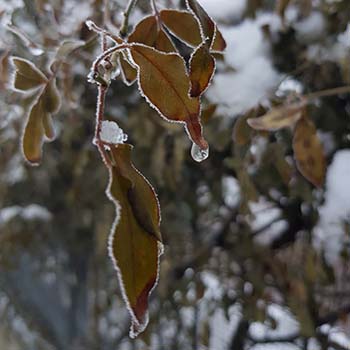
(225, 10)
(30, 213)
(112, 133)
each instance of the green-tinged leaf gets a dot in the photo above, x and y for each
(51, 98)
(202, 67)
(308, 152)
(207, 24)
(33, 135)
(183, 25)
(48, 126)
(278, 117)
(27, 76)
(129, 72)
(134, 241)
(149, 32)
(165, 84)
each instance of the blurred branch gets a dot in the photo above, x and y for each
(124, 28)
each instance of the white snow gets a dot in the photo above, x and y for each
(329, 233)
(112, 133)
(249, 76)
(224, 10)
(311, 28)
(28, 213)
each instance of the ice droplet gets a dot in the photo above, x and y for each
(199, 154)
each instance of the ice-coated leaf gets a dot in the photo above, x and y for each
(27, 76)
(48, 126)
(134, 243)
(183, 25)
(202, 67)
(129, 72)
(207, 24)
(308, 152)
(164, 82)
(67, 47)
(51, 98)
(278, 117)
(33, 135)
(149, 32)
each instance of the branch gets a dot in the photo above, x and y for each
(124, 28)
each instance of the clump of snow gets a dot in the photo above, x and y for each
(112, 133)
(29, 213)
(329, 233)
(311, 28)
(225, 10)
(252, 76)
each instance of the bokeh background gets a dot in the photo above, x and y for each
(255, 256)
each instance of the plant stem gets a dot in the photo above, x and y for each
(124, 27)
(328, 92)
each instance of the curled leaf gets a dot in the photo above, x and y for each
(308, 152)
(27, 76)
(207, 24)
(129, 72)
(48, 126)
(278, 118)
(134, 240)
(164, 82)
(51, 98)
(202, 67)
(33, 135)
(183, 25)
(219, 43)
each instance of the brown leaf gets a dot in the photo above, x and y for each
(207, 24)
(51, 98)
(183, 25)
(48, 126)
(149, 32)
(33, 135)
(129, 72)
(134, 241)
(308, 152)
(202, 67)
(27, 76)
(219, 43)
(164, 83)
(278, 117)
(242, 133)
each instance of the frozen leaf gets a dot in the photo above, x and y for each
(149, 32)
(33, 135)
(51, 98)
(164, 83)
(278, 117)
(308, 152)
(183, 25)
(207, 24)
(202, 67)
(48, 126)
(134, 241)
(67, 47)
(242, 133)
(129, 72)
(27, 76)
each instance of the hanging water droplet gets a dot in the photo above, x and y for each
(199, 154)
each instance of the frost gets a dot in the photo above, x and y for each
(329, 233)
(225, 10)
(112, 133)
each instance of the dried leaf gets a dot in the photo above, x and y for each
(183, 25)
(202, 67)
(134, 241)
(308, 152)
(149, 32)
(27, 76)
(129, 72)
(164, 83)
(278, 118)
(48, 126)
(33, 135)
(242, 133)
(51, 98)
(219, 43)
(67, 47)
(207, 24)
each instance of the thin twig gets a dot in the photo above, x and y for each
(124, 27)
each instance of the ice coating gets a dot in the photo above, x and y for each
(199, 154)
(112, 133)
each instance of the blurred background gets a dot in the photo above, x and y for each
(255, 256)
